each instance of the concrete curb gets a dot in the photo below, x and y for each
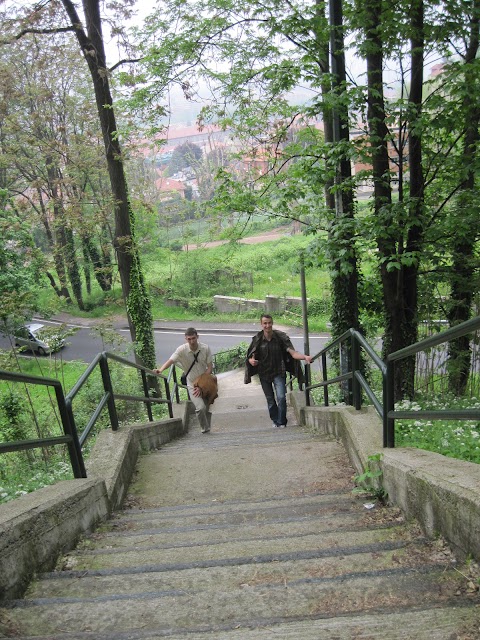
(442, 494)
(247, 328)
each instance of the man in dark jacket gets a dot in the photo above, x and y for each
(271, 355)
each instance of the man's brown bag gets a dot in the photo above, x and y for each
(207, 383)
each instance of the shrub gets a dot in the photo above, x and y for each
(201, 306)
(320, 306)
(233, 358)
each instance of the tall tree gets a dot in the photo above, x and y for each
(133, 284)
(254, 56)
(50, 153)
(20, 265)
(464, 76)
(91, 42)
(345, 312)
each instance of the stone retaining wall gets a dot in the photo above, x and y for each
(37, 528)
(271, 304)
(441, 493)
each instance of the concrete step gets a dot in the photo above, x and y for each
(256, 603)
(239, 550)
(310, 503)
(430, 623)
(162, 579)
(249, 533)
(210, 467)
(246, 397)
(243, 436)
(286, 516)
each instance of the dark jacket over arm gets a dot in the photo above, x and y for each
(292, 366)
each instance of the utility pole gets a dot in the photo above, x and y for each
(306, 341)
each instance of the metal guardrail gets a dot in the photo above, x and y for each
(235, 357)
(65, 406)
(351, 339)
(70, 437)
(385, 407)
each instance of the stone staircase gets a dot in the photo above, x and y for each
(249, 533)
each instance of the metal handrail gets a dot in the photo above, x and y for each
(385, 407)
(65, 406)
(217, 356)
(70, 437)
(449, 414)
(109, 396)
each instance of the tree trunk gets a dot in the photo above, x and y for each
(464, 261)
(58, 258)
(345, 280)
(64, 243)
(340, 198)
(399, 281)
(382, 197)
(86, 267)
(416, 203)
(133, 286)
(101, 268)
(72, 266)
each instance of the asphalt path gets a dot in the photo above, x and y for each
(85, 343)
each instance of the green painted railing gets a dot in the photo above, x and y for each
(353, 343)
(66, 411)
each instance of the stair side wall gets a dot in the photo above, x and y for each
(441, 493)
(37, 528)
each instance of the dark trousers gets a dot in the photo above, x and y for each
(276, 394)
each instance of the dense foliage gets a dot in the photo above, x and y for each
(413, 143)
(392, 115)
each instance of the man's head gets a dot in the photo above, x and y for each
(266, 321)
(191, 336)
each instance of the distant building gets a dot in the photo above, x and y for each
(436, 70)
(178, 134)
(168, 187)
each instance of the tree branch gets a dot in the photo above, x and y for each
(24, 32)
(126, 61)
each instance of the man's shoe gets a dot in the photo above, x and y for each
(282, 426)
(274, 425)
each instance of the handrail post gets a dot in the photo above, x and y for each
(145, 393)
(325, 378)
(177, 394)
(168, 395)
(388, 405)
(69, 427)
(307, 385)
(345, 385)
(107, 386)
(356, 391)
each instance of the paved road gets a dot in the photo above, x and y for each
(85, 343)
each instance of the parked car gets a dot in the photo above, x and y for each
(37, 337)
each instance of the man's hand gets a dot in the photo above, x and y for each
(308, 359)
(197, 392)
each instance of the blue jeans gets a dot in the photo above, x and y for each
(276, 400)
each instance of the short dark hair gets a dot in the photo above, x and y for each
(191, 332)
(266, 315)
